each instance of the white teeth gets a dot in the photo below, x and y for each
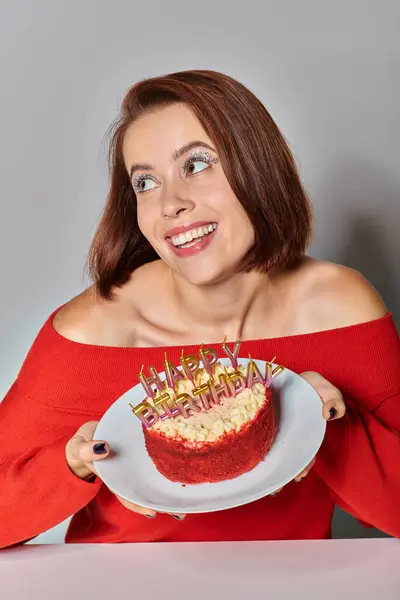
(187, 237)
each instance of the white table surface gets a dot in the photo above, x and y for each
(328, 569)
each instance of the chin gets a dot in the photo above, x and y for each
(204, 275)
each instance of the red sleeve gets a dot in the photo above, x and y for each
(360, 461)
(37, 489)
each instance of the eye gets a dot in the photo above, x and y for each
(140, 183)
(198, 162)
(196, 166)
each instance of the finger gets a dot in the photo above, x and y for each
(333, 409)
(178, 516)
(87, 430)
(80, 451)
(277, 491)
(92, 451)
(305, 472)
(141, 510)
(333, 406)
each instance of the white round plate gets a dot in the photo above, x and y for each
(131, 474)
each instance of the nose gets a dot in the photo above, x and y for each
(175, 200)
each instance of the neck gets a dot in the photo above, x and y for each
(224, 308)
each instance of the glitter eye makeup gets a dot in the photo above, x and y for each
(138, 182)
(199, 156)
(141, 179)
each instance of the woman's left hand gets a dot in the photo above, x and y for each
(333, 407)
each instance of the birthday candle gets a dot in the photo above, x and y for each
(277, 370)
(163, 401)
(203, 391)
(253, 374)
(172, 373)
(239, 381)
(268, 372)
(185, 403)
(146, 413)
(209, 357)
(224, 388)
(148, 382)
(232, 356)
(190, 364)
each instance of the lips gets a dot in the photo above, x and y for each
(182, 229)
(188, 240)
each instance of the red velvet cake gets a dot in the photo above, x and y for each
(223, 442)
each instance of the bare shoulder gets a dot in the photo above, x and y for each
(337, 296)
(90, 319)
(80, 318)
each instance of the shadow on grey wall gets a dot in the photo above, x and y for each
(361, 204)
(367, 252)
(344, 526)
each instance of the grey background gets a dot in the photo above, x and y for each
(327, 71)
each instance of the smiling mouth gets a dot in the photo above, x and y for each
(192, 236)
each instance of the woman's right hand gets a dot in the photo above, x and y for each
(82, 451)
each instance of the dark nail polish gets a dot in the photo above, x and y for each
(332, 412)
(177, 517)
(99, 449)
(150, 516)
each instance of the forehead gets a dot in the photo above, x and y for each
(155, 135)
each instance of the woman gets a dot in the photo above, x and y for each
(203, 237)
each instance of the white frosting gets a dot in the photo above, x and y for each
(231, 414)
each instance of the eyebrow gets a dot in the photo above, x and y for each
(175, 155)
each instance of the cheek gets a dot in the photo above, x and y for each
(221, 196)
(146, 218)
(141, 219)
(227, 201)
(238, 217)
(243, 231)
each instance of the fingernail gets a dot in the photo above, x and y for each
(177, 517)
(99, 449)
(150, 516)
(332, 412)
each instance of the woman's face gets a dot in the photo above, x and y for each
(186, 208)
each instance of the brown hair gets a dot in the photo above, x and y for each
(254, 156)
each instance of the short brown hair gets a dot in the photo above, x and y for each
(254, 156)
